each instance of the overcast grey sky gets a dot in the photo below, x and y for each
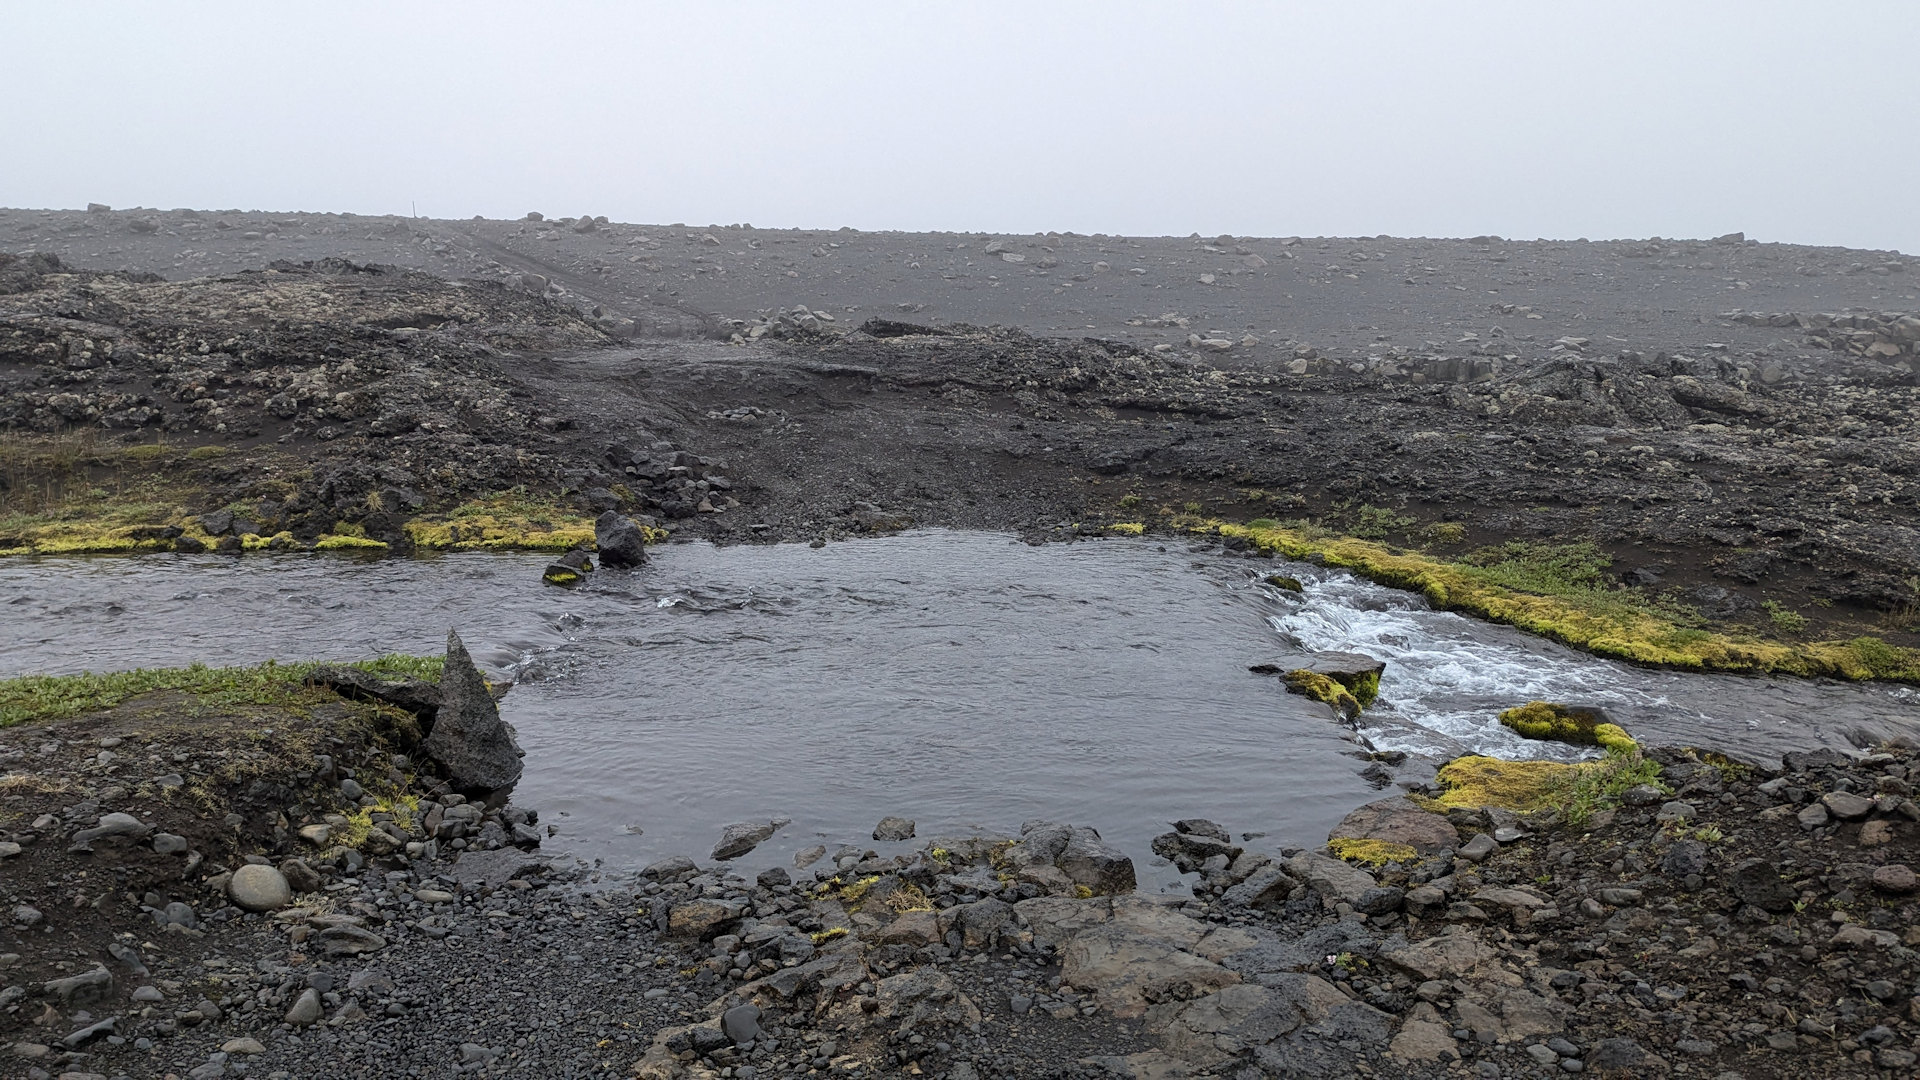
(1791, 121)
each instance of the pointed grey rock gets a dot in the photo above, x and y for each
(469, 738)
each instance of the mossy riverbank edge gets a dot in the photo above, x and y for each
(1616, 623)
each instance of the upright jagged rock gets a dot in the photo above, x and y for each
(469, 738)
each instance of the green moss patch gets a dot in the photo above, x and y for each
(1558, 723)
(1559, 592)
(1327, 689)
(1521, 786)
(40, 698)
(1372, 852)
(1576, 791)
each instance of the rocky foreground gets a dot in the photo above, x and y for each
(325, 877)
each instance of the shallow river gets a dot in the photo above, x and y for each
(967, 681)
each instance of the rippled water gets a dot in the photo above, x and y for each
(967, 681)
(1450, 676)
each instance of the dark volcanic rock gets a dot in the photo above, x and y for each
(620, 540)
(1756, 882)
(469, 738)
(414, 695)
(1397, 821)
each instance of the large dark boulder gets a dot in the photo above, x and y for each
(620, 540)
(469, 739)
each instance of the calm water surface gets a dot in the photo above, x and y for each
(967, 681)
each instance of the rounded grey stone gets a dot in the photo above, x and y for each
(259, 888)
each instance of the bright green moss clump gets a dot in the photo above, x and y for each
(1557, 723)
(1364, 686)
(1325, 688)
(1520, 786)
(348, 543)
(1372, 852)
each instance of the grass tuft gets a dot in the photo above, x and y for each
(1597, 786)
(41, 698)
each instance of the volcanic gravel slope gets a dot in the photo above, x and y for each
(1734, 421)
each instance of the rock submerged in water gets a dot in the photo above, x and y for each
(468, 737)
(620, 540)
(743, 836)
(568, 569)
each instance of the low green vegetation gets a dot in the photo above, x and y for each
(509, 521)
(1520, 786)
(39, 698)
(1377, 522)
(1558, 723)
(1562, 592)
(1598, 785)
(1372, 852)
(1784, 619)
(1577, 791)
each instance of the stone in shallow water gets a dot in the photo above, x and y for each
(468, 738)
(670, 867)
(893, 829)
(620, 540)
(743, 836)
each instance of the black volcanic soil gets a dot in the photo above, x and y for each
(1535, 391)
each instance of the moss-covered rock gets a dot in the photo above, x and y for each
(1560, 723)
(1324, 688)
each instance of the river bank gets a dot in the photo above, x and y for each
(387, 411)
(1680, 913)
